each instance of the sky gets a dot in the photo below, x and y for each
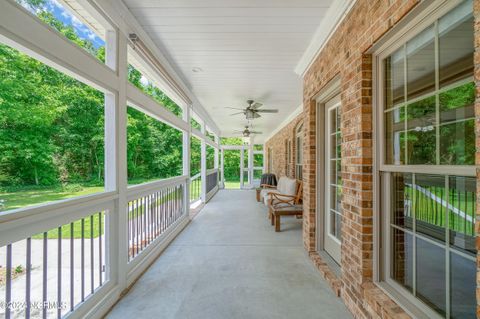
(83, 31)
(68, 18)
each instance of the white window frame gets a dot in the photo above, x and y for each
(415, 22)
(299, 150)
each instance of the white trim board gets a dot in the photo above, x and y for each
(127, 23)
(285, 122)
(334, 16)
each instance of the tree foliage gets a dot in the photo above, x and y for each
(52, 126)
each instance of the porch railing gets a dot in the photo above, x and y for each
(151, 210)
(57, 258)
(54, 257)
(195, 188)
(212, 182)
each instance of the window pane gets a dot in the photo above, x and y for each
(335, 225)
(421, 64)
(154, 149)
(51, 133)
(463, 300)
(462, 206)
(395, 136)
(258, 160)
(457, 133)
(395, 79)
(430, 275)
(421, 141)
(258, 147)
(456, 44)
(402, 258)
(429, 206)
(402, 200)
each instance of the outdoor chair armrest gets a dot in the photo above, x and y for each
(276, 198)
(268, 186)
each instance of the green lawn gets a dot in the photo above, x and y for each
(232, 184)
(195, 189)
(33, 195)
(28, 196)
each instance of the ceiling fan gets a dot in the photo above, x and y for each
(246, 132)
(252, 110)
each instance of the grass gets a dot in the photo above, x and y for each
(28, 196)
(232, 184)
(77, 229)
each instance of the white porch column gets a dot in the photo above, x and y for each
(242, 165)
(250, 162)
(186, 156)
(222, 164)
(116, 161)
(217, 140)
(203, 165)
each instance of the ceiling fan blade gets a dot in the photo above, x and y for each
(234, 108)
(267, 111)
(255, 132)
(256, 105)
(237, 113)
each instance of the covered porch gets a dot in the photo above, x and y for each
(229, 263)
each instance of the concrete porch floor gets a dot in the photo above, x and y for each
(230, 263)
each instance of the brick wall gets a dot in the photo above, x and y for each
(278, 144)
(345, 56)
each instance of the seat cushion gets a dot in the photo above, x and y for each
(288, 207)
(289, 187)
(281, 183)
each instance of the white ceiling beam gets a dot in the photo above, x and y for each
(127, 24)
(148, 105)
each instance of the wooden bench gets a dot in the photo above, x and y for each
(275, 212)
(285, 205)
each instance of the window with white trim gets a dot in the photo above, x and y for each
(299, 152)
(427, 183)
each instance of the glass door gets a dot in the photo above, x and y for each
(333, 180)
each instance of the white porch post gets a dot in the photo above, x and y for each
(242, 165)
(217, 153)
(217, 141)
(186, 157)
(116, 161)
(250, 162)
(222, 164)
(203, 166)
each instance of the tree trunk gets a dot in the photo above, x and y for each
(36, 175)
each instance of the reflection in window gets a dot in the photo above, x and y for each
(434, 123)
(423, 207)
(420, 53)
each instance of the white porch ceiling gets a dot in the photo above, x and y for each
(246, 49)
